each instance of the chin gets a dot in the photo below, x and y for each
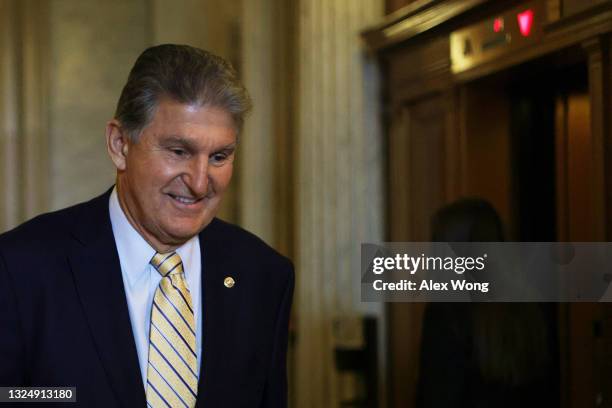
(186, 233)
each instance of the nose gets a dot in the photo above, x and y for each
(197, 177)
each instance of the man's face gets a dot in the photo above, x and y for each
(174, 177)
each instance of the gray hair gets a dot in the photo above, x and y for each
(186, 74)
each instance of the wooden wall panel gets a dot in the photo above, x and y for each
(570, 7)
(417, 74)
(487, 152)
(605, 366)
(417, 147)
(419, 70)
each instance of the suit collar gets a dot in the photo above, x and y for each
(95, 265)
(220, 306)
(96, 268)
(135, 253)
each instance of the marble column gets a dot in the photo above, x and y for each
(257, 149)
(9, 119)
(92, 46)
(339, 187)
(266, 148)
(23, 110)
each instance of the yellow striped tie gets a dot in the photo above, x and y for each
(171, 375)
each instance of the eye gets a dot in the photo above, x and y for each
(222, 157)
(219, 159)
(178, 152)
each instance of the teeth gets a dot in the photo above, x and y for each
(184, 200)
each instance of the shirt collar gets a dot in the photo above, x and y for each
(134, 252)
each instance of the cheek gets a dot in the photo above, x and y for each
(221, 177)
(154, 174)
(161, 171)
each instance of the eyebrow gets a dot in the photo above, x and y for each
(178, 140)
(229, 148)
(189, 144)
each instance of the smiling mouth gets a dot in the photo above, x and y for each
(184, 200)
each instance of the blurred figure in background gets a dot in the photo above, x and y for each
(484, 354)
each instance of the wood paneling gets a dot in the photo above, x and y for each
(605, 362)
(417, 151)
(417, 146)
(449, 135)
(487, 151)
(417, 18)
(423, 69)
(574, 145)
(575, 6)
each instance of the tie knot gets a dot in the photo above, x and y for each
(167, 264)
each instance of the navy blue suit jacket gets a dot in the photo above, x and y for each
(64, 319)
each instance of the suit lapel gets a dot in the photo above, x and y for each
(220, 307)
(97, 275)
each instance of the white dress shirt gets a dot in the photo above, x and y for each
(140, 280)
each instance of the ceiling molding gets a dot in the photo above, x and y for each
(414, 19)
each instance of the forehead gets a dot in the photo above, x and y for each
(172, 118)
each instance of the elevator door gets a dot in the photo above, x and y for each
(528, 150)
(533, 156)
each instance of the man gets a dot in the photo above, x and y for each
(141, 297)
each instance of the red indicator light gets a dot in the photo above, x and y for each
(498, 24)
(525, 20)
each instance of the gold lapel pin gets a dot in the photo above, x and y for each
(229, 282)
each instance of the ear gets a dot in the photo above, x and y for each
(117, 144)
